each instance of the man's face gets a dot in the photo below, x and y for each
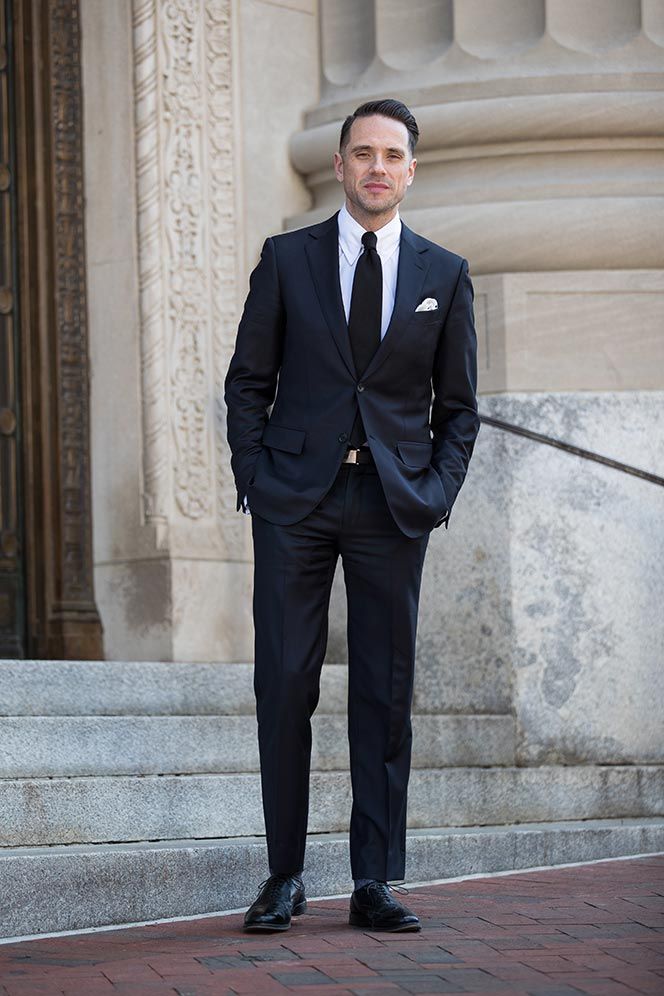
(375, 166)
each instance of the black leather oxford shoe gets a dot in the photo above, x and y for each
(375, 908)
(280, 898)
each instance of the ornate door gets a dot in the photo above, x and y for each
(12, 583)
(47, 606)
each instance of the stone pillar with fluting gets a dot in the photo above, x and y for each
(542, 161)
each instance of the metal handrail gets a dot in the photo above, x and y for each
(540, 437)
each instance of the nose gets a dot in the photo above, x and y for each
(378, 166)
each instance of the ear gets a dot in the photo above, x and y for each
(338, 167)
(411, 172)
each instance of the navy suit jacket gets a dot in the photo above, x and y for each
(293, 356)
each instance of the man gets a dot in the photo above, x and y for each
(368, 330)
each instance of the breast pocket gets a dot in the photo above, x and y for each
(420, 318)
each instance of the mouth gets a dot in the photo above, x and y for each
(376, 187)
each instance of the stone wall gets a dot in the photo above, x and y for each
(187, 170)
(541, 161)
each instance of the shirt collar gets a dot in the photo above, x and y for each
(350, 236)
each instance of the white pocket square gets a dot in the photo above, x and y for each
(428, 304)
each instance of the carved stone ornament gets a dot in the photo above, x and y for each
(186, 238)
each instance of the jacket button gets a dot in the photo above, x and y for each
(360, 387)
(343, 436)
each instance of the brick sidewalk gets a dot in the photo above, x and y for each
(595, 929)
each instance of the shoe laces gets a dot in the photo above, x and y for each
(385, 888)
(274, 882)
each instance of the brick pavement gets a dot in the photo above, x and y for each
(596, 929)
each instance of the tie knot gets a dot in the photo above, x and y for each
(369, 240)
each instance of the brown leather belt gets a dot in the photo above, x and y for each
(363, 455)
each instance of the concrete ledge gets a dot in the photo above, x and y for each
(142, 688)
(39, 811)
(65, 746)
(68, 888)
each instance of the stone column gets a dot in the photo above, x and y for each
(542, 161)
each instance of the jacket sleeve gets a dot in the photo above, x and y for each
(251, 380)
(454, 418)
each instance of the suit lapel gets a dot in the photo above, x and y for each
(322, 251)
(412, 269)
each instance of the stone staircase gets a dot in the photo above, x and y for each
(131, 791)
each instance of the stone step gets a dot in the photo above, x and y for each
(77, 887)
(142, 688)
(37, 811)
(56, 746)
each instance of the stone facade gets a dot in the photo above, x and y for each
(540, 161)
(538, 737)
(182, 174)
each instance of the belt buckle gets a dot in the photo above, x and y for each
(352, 456)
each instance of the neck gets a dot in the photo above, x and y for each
(370, 222)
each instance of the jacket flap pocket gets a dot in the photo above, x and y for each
(278, 437)
(415, 454)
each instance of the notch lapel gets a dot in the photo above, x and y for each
(412, 269)
(322, 251)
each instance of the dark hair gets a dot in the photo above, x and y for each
(388, 108)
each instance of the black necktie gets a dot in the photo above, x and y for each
(365, 316)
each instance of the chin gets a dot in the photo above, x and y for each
(376, 207)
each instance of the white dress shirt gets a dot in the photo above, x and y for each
(387, 246)
(388, 239)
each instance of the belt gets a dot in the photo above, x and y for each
(363, 455)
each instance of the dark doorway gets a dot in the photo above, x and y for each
(12, 568)
(47, 607)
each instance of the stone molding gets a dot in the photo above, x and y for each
(151, 278)
(367, 45)
(186, 229)
(570, 330)
(473, 127)
(542, 124)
